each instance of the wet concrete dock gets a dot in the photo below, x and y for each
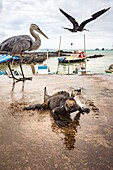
(30, 140)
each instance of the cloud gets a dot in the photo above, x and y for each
(16, 17)
(1, 5)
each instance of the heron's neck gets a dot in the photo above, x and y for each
(37, 42)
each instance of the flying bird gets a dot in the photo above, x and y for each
(18, 44)
(76, 26)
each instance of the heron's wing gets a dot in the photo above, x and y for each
(70, 18)
(21, 45)
(17, 44)
(94, 16)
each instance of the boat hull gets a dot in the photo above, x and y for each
(64, 60)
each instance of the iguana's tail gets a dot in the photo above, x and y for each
(46, 96)
(45, 91)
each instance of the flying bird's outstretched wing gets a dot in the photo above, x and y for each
(76, 26)
(94, 16)
(97, 14)
(70, 18)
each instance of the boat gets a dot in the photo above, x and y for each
(5, 57)
(1, 72)
(73, 58)
(110, 69)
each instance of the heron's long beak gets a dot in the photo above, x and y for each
(43, 34)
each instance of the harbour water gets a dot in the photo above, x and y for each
(93, 65)
(99, 65)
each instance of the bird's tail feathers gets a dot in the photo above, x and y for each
(0, 46)
(65, 28)
(85, 30)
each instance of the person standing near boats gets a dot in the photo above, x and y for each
(81, 55)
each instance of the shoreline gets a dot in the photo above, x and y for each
(39, 57)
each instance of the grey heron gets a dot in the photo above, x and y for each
(18, 44)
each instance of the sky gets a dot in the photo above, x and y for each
(16, 17)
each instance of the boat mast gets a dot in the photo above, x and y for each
(59, 47)
(84, 45)
(85, 49)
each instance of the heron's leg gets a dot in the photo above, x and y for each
(24, 78)
(21, 67)
(11, 70)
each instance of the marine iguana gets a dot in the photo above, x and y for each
(61, 105)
